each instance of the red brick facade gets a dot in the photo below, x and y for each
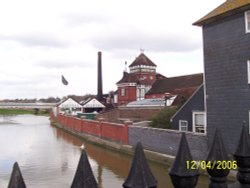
(126, 96)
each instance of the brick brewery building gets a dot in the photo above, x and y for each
(134, 85)
(142, 82)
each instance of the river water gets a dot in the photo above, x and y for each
(48, 156)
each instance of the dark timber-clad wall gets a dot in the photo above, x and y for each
(195, 103)
(226, 51)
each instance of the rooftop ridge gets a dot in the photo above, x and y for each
(142, 59)
(226, 8)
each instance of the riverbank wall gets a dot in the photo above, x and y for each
(110, 131)
(67, 124)
(158, 141)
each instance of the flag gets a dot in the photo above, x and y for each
(64, 81)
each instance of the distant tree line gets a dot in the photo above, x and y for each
(45, 100)
(49, 99)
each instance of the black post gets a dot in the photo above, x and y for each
(16, 179)
(84, 177)
(140, 175)
(182, 175)
(217, 155)
(242, 157)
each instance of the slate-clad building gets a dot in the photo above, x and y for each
(191, 116)
(226, 39)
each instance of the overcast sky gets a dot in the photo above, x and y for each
(43, 39)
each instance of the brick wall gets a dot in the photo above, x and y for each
(112, 131)
(110, 116)
(138, 114)
(133, 114)
(158, 140)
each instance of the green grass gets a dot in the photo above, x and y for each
(15, 111)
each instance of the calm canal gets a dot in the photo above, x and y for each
(48, 156)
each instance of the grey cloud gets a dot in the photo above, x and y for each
(64, 64)
(155, 43)
(78, 19)
(37, 40)
(27, 81)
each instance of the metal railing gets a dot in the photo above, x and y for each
(184, 172)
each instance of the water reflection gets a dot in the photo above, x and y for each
(48, 156)
(6, 119)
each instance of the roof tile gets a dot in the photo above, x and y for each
(175, 85)
(142, 59)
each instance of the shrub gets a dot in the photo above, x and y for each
(162, 119)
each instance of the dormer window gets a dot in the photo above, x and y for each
(247, 20)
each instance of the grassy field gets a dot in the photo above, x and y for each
(15, 111)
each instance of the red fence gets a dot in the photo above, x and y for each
(111, 131)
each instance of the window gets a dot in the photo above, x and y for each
(183, 125)
(248, 71)
(123, 93)
(247, 20)
(199, 123)
(140, 92)
(249, 122)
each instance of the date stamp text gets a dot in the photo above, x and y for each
(193, 165)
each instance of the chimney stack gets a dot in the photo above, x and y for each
(99, 77)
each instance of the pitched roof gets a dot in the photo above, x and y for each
(132, 78)
(159, 76)
(92, 103)
(227, 8)
(142, 59)
(69, 103)
(128, 78)
(175, 84)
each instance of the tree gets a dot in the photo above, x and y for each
(162, 119)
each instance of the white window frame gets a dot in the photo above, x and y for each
(248, 71)
(123, 92)
(247, 21)
(205, 123)
(181, 126)
(140, 92)
(249, 122)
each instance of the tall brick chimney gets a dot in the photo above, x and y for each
(99, 77)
